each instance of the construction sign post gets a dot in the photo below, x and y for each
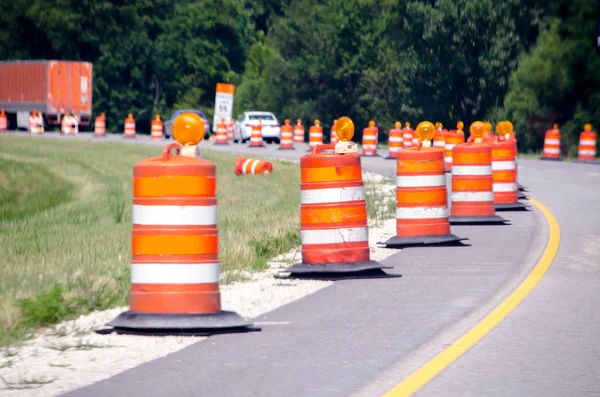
(223, 103)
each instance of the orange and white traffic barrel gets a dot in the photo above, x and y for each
(407, 135)
(230, 130)
(221, 133)
(504, 175)
(472, 197)
(453, 138)
(552, 144)
(587, 145)
(33, 123)
(256, 138)
(333, 139)
(369, 140)
(421, 196)
(3, 121)
(395, 141)
(65, 125)
(156, 132)
(100, 126)
(315, 135)
(439, 139)
(175, 268)
(248, 166)
(333, 211)
(286, 140)
(129, 127)
(298, 132)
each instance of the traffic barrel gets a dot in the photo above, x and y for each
(230, 130)
(506, 129)
(100, 126)
(175, 268)
(315, 135)
(129, 127)
(333, 212)
(504, 175)
(587, 146)
(421, 196)
(3, 121)
(287, 136)
(333, 139)
(40, 123)
(472, 197)
(369, 140)
(33, 122)
(256, 139)
(408, 136)
(156, 131)
(221, 133)
(248, 166)
(439, 139)
(552, 144)
(453, 138)
(299, 132)
(395, 141)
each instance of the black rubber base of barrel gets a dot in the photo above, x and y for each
(174, 324)
(414, 241)
(176, 332)
(522, 196)
(586, 161)
(391, 158)
(337, 271)
(518, 206)
(256, 147)
(477, 220)
(370, 155)
(523, 188)
(286, 148)
(551, 159)
(221, 144)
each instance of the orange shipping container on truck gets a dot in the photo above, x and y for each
(52, 87)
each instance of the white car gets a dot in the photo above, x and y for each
(271, 130)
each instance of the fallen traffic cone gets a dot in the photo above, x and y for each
(472, 197)
(175, 266)
(247, 166)
(421, 196)
(333, 213)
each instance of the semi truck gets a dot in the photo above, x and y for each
(54, 88)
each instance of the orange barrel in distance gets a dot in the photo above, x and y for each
(333, 139)
(333, 211)
(248, 166)
(552, 144)
(175, 266)
(421, 196)
(369, 140)
(230, 130)
(256, 139)
(504, 175)
(156, 132)
(100, 126)
(287, 136)
(129, 128)
(408, 135)
(395, 141)
(315, 135)
(472, 197)
(299, 132)
(453, 138)
(439, 139)
(221, 133)
(587, 146)
(3, 121)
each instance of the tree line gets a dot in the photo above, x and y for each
(530, 61)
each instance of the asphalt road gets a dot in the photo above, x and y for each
(361, 337)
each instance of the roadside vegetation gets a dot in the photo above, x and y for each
(65, 226)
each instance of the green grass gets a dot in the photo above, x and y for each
(65, 226)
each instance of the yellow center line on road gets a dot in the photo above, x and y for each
(432, 368)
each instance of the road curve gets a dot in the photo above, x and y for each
(362, 337)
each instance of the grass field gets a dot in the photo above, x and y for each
(65, 225)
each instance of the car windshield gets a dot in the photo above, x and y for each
(260, 116)
(199, 113)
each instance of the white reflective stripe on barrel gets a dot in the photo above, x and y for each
(163, 273)
(172, 215)
(334, 236)
(332, 195)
